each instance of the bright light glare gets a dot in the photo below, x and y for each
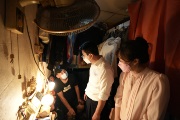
(47, 99)
(51, 86)
(39, 81)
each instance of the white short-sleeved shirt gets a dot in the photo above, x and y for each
(100, 80)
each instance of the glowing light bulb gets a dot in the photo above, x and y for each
(47, 99)
(51, 86)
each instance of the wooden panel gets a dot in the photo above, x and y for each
(104, 16)
(113, 11)
(114, 20)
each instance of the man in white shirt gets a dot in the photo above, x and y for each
(101, 78)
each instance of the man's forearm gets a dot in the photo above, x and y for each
(117, 113)
(65, 102)
(77, 92)
(100, 107)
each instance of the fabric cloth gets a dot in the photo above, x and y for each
(70, 45)
(58, 51)
(158, 22)
(91, 107)
(45, 50)
(93, 34)
(68, 92)
(100, 80)
(143, 98)
(108, 51)
(82, 75)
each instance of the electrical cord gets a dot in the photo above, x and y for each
(27, 29)
(19, 76)
(11, 55)
(21, 112)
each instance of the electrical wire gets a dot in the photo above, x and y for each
(11, 41)
(18, 53)
(27, 29)
(11, 55)
(137, 19)
(20, 109)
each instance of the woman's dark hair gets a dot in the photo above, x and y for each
(135, 49)
(90, 48)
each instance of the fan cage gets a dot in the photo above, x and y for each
(63, 21)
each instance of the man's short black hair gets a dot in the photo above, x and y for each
(57, 71)
(59, 68)
(90, 48)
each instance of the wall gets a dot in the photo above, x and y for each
(10, 86)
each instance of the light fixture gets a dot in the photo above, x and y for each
(47, 100)
(51, 86)
(28, 2)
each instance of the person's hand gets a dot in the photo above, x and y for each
(96, 117)
(85, 97)
(80, 101)
(52, 93)
(71, 112)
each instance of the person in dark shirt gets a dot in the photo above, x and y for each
(67, 94)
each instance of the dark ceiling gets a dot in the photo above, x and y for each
(112, 12)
